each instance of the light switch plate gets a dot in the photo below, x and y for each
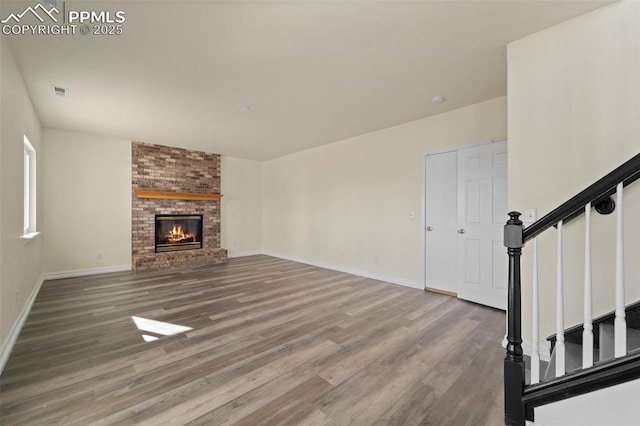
(530, 216)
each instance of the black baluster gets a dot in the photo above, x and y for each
(514, 413)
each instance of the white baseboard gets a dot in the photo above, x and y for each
(84, 272)
(244, 254)
(353, 271)
(12, 337)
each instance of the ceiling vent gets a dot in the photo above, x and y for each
(62, 92)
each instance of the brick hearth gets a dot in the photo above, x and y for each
(163, 168)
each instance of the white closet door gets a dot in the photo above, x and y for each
(481, 214)
(441, 221)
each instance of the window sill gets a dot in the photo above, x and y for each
(30, 236)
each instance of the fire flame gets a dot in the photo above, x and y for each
(177, 235)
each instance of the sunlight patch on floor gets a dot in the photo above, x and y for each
(159, 328)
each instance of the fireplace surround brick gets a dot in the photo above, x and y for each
(164, 168)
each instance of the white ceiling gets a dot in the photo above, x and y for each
(311, 72)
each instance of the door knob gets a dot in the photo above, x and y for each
(461, 231)
(429, 229)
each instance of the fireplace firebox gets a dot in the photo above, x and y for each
(178, 232)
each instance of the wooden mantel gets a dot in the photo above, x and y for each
(170, 195)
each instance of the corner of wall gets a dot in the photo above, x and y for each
(10, 341)
(242, 206)
(20, 263)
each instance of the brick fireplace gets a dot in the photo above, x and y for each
(170, 181)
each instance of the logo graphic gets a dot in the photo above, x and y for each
(34, 11)
(72, 22)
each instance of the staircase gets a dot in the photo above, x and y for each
(596, 356)
(603, 341)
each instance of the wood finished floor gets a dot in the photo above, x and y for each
(273, 342)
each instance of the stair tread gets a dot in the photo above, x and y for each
(572, 359)
(574, 333)
(603, 340)
(633, 337)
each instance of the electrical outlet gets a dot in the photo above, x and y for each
(412, 214)
(99, 255)
(529, 216)
(17, 297)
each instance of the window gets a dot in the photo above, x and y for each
(29, 229)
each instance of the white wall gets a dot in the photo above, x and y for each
(574, 115)
(87, 201)
(20, 263)
(346, 205)
(612, 406)
(241, 206)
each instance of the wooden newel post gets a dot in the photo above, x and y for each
(514, 413)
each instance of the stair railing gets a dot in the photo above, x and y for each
(520, 399)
